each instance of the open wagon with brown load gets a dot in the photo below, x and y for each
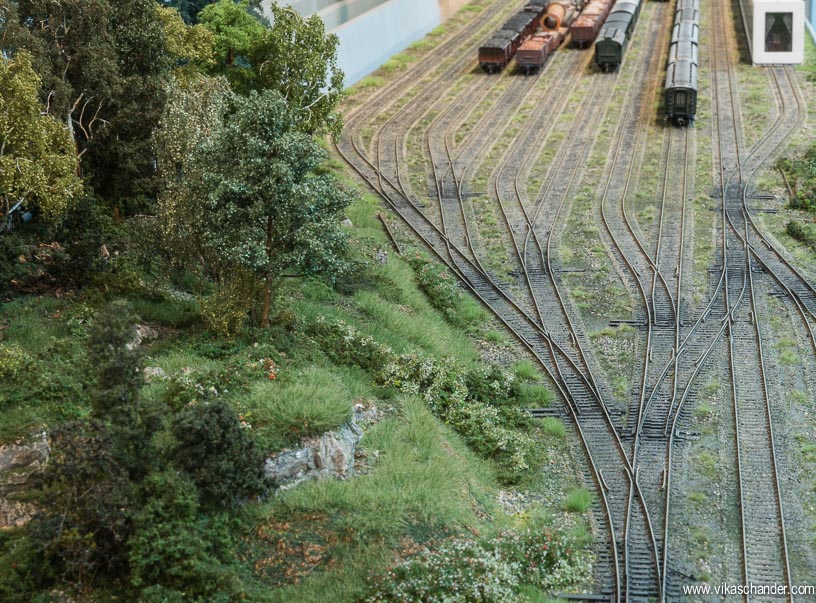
(586, 27)
(535, 51)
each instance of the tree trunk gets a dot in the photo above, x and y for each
(267, 303)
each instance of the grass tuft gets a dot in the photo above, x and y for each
(282, 413)
(578, 500)
(553, 427)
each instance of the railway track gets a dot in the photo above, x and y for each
(635, 493)
(764, 550)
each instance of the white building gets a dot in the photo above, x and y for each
(775, 30)
(371, 31)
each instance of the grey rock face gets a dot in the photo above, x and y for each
(329, 455)
(18, 462)
(152, 373)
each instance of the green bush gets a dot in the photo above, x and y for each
(175, 549)
(344, 344)
(482, 416)
(88, 503)
(487, 570)
(314, 402)
(801, 173)
(492, 385)
(547, 558)
(435, 281)
(578, 500)
(86, 227)
(217, 453)
(14, 363)
(806, 233)
(461, 571)
(22, 568)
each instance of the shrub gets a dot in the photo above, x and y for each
(802, 176)
(547, 558)
(14, 362)
(86, 227)
(344, 344)
(806, 233)
(482, 427)
(117, 363)
(492, 385)
(173, 548)
(316, 402)
(217, 453)
(226, 310)
(578, 500)
(490, 428)
(440, 384)
(461, 571)
(88, 503)
(495, 569)
(437, 283)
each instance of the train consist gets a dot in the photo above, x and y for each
(555, 25)
(614, 36)
(681, 71)
(586, 27)
(498, 51)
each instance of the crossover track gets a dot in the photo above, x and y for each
(475, 162)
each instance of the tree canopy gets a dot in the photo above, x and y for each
(298, 58)
(37, 163)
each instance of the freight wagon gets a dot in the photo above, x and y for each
(586, 27)
(498, 51)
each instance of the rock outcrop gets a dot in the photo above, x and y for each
(18, 462)
(329, 455)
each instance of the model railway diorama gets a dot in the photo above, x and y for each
(522, 311)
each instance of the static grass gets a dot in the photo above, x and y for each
(526, 370)
(171, 313)
(178, 362)
(33, 323)
(534, 395)
(418, 480)
(313, 402)
(578, 500)
(553, 427)
(496, 337)
(403, 327)
(425, 482)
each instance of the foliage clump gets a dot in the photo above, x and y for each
(805, 233)
(217, 453)
(488, 570)
(801, 174)
(38, 163)
(492, 425)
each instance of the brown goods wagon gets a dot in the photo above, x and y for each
(534, 52)
(586, 27)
